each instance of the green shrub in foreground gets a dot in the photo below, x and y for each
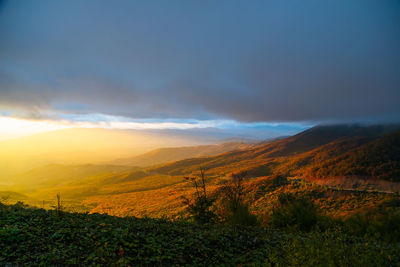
(333, 248)
(381, 222)
(241, 216)
(294, 213)
(39, 237)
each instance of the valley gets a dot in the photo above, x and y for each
(304, 160)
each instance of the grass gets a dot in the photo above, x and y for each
(31, 236)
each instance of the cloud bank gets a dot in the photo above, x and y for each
(246, 61)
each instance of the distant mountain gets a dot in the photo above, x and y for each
(322, 152)
(81, 145)
(58, 175)
(241, 140)
(157, 190)
(321, 135)
(288, 156)
(164, 155)
(6, 196)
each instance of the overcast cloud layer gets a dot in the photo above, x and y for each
(241, 60)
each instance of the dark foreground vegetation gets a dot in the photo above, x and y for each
(31, 236)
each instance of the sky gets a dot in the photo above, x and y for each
(244, 66)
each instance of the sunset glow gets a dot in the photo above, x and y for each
(13, 128)
(16, 127)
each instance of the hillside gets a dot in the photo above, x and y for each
(378, 159)
(10, 196)
(261, 162)
(83, 146)
(266, 159)
(58, 175)
(79, 182)
(157, 190)
(169, 154)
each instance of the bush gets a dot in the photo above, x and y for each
(242, 216)
(36, 237)
(381, 222)
(333, 248)
(279, 180)
(294, 213)
(200, 209)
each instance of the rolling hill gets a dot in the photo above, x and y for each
(54, 175)
(313, 145)
(157, 190)
(84, 146)
(378, 159)
(169, 154)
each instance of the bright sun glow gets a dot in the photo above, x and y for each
(12, 127)
(16, 127)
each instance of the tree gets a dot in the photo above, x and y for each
(200, 207)
(233, 190)
(235, 211)
(59, 207)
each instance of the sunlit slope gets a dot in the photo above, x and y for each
(157, 190)
(263, 163)
(78, 146)
(377, 159)
(169, 154)
(77, 182)
(287, 156)
(56, 175)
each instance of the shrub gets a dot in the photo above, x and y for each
(242, 216)
(200, 209)
(334, 248)
(381, 222)
(36, 237)
(279, 180)
(294, 213)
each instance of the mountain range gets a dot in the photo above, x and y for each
(351, 156)
(88, 146)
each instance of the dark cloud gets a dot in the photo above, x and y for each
(249, 61)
